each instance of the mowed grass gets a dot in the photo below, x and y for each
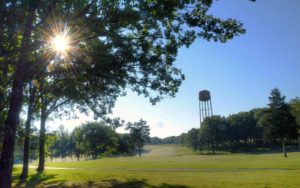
(172, 166)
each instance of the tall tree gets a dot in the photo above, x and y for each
(279, 122)
(30, 111)
(139, 133)
(16, 99)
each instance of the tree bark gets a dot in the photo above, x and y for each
(10, 126)
(140, 153)
(30, 110)
(283, 148)
(41, 165)
(16, 100)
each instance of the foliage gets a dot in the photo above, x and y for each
(243, 127)
(193, 139)
(279, 121)
(295, 109)
(139, 133)
(213, 132)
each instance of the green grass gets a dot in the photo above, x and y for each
(173, 166)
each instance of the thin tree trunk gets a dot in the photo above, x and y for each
(140, 153)
(41, 165)
(24, 173)
(283, 148)
(16, 100)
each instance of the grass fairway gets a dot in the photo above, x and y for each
(173, 167)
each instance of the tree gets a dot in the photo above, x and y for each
(295, 109)
(30, 111)
(242, 127)
(279, 122)
(213, 132)
(97, 138)
(126, 146)
(193, 139)
(51, 140)
(61, 143)
(126, 43)
(139, 133)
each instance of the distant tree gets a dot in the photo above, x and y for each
(278, 121)
(61, 143)
(295, 109)
(183, 138)
(77, 137)
(242, 127)
(193, 139)
(51, 140)
(139, 133)
(125, 144)
(98, 139)
(257, 114)
(213, 132)
(155, 140)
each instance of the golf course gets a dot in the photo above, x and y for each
(170, 166)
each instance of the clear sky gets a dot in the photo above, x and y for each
(240, 74)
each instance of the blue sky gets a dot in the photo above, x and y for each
(240, 74)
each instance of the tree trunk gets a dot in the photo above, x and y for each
(283, 148)
(42, 139)
(140, 153)
(16, 100)
(213, 148)
(10, 126)
(24, 173)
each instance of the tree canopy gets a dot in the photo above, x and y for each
(139, 133)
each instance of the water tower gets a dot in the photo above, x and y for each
(205, 107)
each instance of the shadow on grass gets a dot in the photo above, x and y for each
(135, 183)
(265, 150)
(250, 150)
(36, 180)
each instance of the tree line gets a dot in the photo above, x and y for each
(273, 126)
(90, 140)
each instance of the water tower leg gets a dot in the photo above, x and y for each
(211, 108)
(200, 112)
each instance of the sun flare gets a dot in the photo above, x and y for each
(60, 43)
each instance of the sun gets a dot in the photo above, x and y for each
(60, 43)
